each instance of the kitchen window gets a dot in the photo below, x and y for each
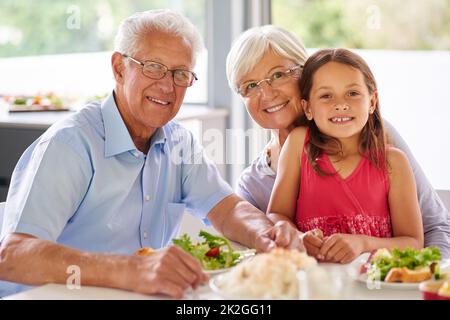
(65, 46)
(407, 45)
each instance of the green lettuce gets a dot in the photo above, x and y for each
(409, 258)
(226, 257)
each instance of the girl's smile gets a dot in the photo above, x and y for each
(340, 120)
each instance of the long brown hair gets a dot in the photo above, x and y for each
(372, 139)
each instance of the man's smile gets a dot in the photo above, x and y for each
(158, 101)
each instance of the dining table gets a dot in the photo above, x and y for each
(358, 290)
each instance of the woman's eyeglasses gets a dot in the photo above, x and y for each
(251, 88)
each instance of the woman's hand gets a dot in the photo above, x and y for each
(342, 248)
(313, 241)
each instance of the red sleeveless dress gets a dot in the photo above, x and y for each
(357, 204)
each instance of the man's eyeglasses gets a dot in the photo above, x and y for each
(250, 89)
(156, 71)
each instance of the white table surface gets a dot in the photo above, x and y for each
(360, 291)
(61, 292)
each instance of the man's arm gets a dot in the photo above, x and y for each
(29, 260)
(240, 221)
(207, 195)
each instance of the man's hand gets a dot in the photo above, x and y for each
(342, 248)
(313, 241)
(169, 271)
(282, 234)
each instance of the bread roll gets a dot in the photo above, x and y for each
(146, 251)
(406, 275)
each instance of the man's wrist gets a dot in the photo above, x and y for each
(111, 271)
(123, 272)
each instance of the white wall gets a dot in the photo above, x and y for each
(415, 97)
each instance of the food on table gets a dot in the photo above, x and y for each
(20, 101)
(270, 275)
(48, 101)
(435, 289)
(407, 275)
(444, 289)
(406, 265)
(145, 251)
(214, 252)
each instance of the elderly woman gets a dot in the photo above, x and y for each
(263, 67)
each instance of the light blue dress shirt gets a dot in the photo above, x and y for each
(84, 184)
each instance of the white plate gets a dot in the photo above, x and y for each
(387, 285)
(217, 271)
(214, 284)
(215, 287)
(444, 266)
(245, 254)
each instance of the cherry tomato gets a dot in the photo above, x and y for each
(213, 252)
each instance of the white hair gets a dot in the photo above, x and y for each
(248, 49)
(132, 29)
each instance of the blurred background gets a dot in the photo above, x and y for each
(64, 47)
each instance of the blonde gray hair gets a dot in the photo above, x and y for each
(248, 49)
(132, 29)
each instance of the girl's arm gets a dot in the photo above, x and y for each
(403, 203)
(282, 204)
(405, 218)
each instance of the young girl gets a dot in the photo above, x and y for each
(338, 181)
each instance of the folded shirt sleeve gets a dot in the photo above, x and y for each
(202, 185)
(47, 186)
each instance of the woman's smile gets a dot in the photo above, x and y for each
(277, 107)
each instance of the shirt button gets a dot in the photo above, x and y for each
(145, 235)
(147, 198)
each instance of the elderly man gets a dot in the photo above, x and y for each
(118, 175)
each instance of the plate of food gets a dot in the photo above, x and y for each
(435, 289)
(243, 255)
(271, 275)
(215, 253)
(39, 102)
(400, 269)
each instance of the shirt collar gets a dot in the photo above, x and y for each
(159, 137)
(117, 137)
